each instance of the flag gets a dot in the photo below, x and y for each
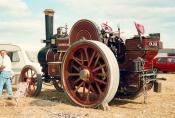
(140, 28)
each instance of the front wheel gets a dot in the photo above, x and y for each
(30, 75)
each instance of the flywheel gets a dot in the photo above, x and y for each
(84, 29)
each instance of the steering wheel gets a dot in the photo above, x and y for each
(106, 27)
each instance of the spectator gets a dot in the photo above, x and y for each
(5, 73)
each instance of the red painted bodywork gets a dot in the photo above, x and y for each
(146, 49)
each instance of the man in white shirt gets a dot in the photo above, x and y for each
(5, 73)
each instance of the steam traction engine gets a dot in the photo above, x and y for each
(93, 66)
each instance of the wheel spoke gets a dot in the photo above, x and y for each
(98, 87)
(78, 87)
(100, 81)
(99, 67)
(84, 87)
(33, 74)
(102, 74)
(86, 54)
(76, 68)
(82, 59)
(91, 87)
(77, 60)
(27, 73)
(72, 74)
(92, 57)
(34, 80)
(77, 80)
(31, 88)
(96, 61)
(87, 97)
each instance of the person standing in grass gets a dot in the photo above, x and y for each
(5, 73)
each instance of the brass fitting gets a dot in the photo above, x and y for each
(49, 12)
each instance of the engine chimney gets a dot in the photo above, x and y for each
(48, 24)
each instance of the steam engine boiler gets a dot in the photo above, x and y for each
(93, 65)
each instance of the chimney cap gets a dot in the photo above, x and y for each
(49, 12)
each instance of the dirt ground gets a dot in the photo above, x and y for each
(53, 104)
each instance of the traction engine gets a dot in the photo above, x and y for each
(94, 65)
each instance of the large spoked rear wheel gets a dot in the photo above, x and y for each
(90, 73)
(30, 75)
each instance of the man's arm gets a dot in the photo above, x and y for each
(2, 67)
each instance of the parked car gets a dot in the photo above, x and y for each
(21, 60)
(164, 64)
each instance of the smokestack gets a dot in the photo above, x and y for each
(49, 24)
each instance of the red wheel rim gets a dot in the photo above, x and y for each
(29, 75)
(86, 77)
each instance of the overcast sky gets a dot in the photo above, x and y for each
(22, 21)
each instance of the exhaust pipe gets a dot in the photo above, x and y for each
(49, 24)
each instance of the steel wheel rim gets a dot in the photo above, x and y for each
(29, 75)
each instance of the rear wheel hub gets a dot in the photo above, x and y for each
(85, 74)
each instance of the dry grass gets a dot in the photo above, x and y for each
(52, 104)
